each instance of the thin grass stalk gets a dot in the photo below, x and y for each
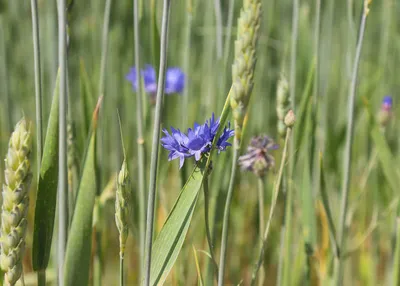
(206, 218)
(41, 278)
(218, 28)
(261, 205)
(286, 275)
(121, 270)
(104, 46)
(228, 35)
(156, 143)
(186, 59)
(140, 140)
(293, 52)
(273, 205)
(261, 219)
(4, 74)
(38, 87)
(225, 223)
(62, 171)
(348, 147)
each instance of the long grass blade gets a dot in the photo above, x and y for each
(77, 257)
(46, 198)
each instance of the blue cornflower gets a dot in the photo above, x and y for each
(176, 143)
(196, 142)
(174, 79)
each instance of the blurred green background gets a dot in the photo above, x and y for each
(327, 46)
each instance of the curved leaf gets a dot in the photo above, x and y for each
(77, 257)
(46, 199)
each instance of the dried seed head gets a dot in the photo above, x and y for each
(290, 119)
(258, 158)
(245, 61)
(15, 201)
(123, 206)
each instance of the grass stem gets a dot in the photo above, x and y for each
(206, 218)
(225, 224)
(121, 270)
(38, 86)
(156, 143)
(261, 205)
(273, 205)
(140, 137)
(62, 171)
(41, 275)
(348, 146)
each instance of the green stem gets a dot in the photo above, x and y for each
(261, 219)
(348, 148)
(62, 171)
(140, 140)
(186, 60)
(121, 270)
(295, 20)
(261, 205)
(225, 224)
(41, 276)
(218, 28)
(273, 205)
(288, 234)
(156, 143)
(38, 88)
(208, 232)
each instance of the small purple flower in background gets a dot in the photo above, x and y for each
(132, 77)
(387, 103)
(174, 80)
(149, 78)
(257, 159)
(385, 113)
(196, 142)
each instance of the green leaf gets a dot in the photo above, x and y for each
(199, 276)
(86, 97)
(386, 158)
(77, 256)
(169, 241)
(304, 108)
(325, 202)
(46, 199)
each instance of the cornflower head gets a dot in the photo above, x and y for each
(257, 159)
(282, 104)
(196, 142)
(385, 112)
(244, 61)
(15, 201)
(174, 80)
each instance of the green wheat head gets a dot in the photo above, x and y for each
(15, 201)
(244, 61)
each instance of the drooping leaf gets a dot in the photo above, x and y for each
(46, 198)
(77, 256)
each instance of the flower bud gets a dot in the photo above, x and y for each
(290, 119)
